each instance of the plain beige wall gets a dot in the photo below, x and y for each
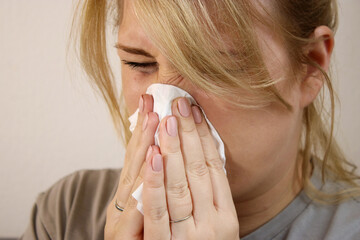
(52, 124)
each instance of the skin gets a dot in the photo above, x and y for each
(261, 146)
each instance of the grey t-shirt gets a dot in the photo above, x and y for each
(75, 208)
(305, 219)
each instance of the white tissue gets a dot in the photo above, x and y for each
(163, 95)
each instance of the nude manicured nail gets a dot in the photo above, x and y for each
(184, 108)
(141, 104)
(157, 163)
(196, 113)
(145, 121)
(171, 126)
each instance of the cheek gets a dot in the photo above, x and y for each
(251, 136)
(132, 86)
(258, 143)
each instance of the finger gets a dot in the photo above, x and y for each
(130, 221)
(176, 184)
(132, 202)
(156, 217)
(125, 225)
(177, 190)
(196, 170)
(146, 103)
(142, 138)
(219, 182)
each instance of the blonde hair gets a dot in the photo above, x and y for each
(203, 56)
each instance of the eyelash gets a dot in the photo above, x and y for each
(136, 65)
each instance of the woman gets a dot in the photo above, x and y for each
(256, 68)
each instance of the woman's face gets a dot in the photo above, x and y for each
(260, 145)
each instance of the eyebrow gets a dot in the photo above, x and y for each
(137, 51)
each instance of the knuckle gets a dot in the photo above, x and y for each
(187, 127)
(178, 190)
(157, 213)
(171, 147)
(139, 179)
(198, 169)
(153, 183)
(203, 131)
(127, 180)
(131, 203)
(215, 163)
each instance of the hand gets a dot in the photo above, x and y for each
(129, 223)
(185, 177)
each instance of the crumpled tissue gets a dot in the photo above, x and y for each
(163, 95)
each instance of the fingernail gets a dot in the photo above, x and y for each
(157, 164)
(141, 104)
(148, 153)
(171, 126)
(145, 121)
(196, 113)
(184, 108)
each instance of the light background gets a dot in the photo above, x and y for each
(52, 124)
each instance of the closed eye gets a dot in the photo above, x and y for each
(146, 67)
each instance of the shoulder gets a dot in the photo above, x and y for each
(329, 221)
(313, 219)
(80, 184)
(341, 220)
(77, 201)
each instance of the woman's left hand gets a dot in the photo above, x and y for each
(186, 194)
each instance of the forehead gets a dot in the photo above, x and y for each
(130, 31)
(132, 34)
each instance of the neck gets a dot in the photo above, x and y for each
(253, 213)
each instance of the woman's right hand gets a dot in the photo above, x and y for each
(129, 224)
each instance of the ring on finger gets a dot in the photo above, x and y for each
(182, 219)
(121, 209)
